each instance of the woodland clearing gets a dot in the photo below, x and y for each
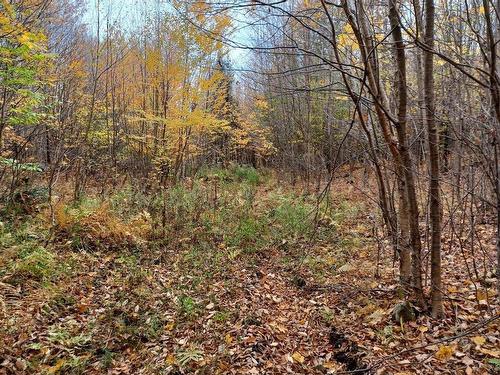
(249, 187)
(239, 281)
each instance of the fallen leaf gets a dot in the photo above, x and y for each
(493, 353)
(478, 340)
(376, 317)
(20, 364)
(423, 329)
(481, 295)
(330, 365)
(82, 308)
(345, 268)
(297, 357)
(452, 289)
(170, 359)
(467, 361)
(444, 353)
(59, 364)
(250, 340)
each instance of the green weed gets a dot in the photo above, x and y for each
(187, 306)
(35, 263)
(64, 336)
(154, 327)
(186, 356)
(292, 216)
(247, 174)
(222, 316)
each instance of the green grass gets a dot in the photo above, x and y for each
(83, 207)
(220, 216)
(107, 359)
(247, 174)
(222, 316)
(35, 263)
(292, 215)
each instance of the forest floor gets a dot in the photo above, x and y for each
(233, 280)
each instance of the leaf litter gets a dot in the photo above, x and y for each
(297, 308)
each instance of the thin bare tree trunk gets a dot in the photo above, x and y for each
(433, 140)
(399, 51)
(398, 147)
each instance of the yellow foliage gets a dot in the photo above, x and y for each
(261, 104)
(8, 8)
(347, 38)
(222, 23)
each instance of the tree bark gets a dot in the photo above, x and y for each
(433, 141)
(398, 147)
(399, 52)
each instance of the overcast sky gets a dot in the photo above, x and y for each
(129, 14)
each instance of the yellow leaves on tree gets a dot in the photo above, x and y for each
(347, 39)
(261, 104)
(250, 136)
(14, 31)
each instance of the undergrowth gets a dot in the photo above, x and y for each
(216, 218)
(200, 230)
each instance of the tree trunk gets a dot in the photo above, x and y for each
(399, 52)
(433, 141)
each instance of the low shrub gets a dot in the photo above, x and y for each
(88, 227)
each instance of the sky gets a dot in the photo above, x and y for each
(129, 13)
(126, 13)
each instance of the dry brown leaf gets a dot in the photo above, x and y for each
(495, 353)
(467, 361)
(20, 364)
(481, 295)
(330, 365)
(376, 317)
